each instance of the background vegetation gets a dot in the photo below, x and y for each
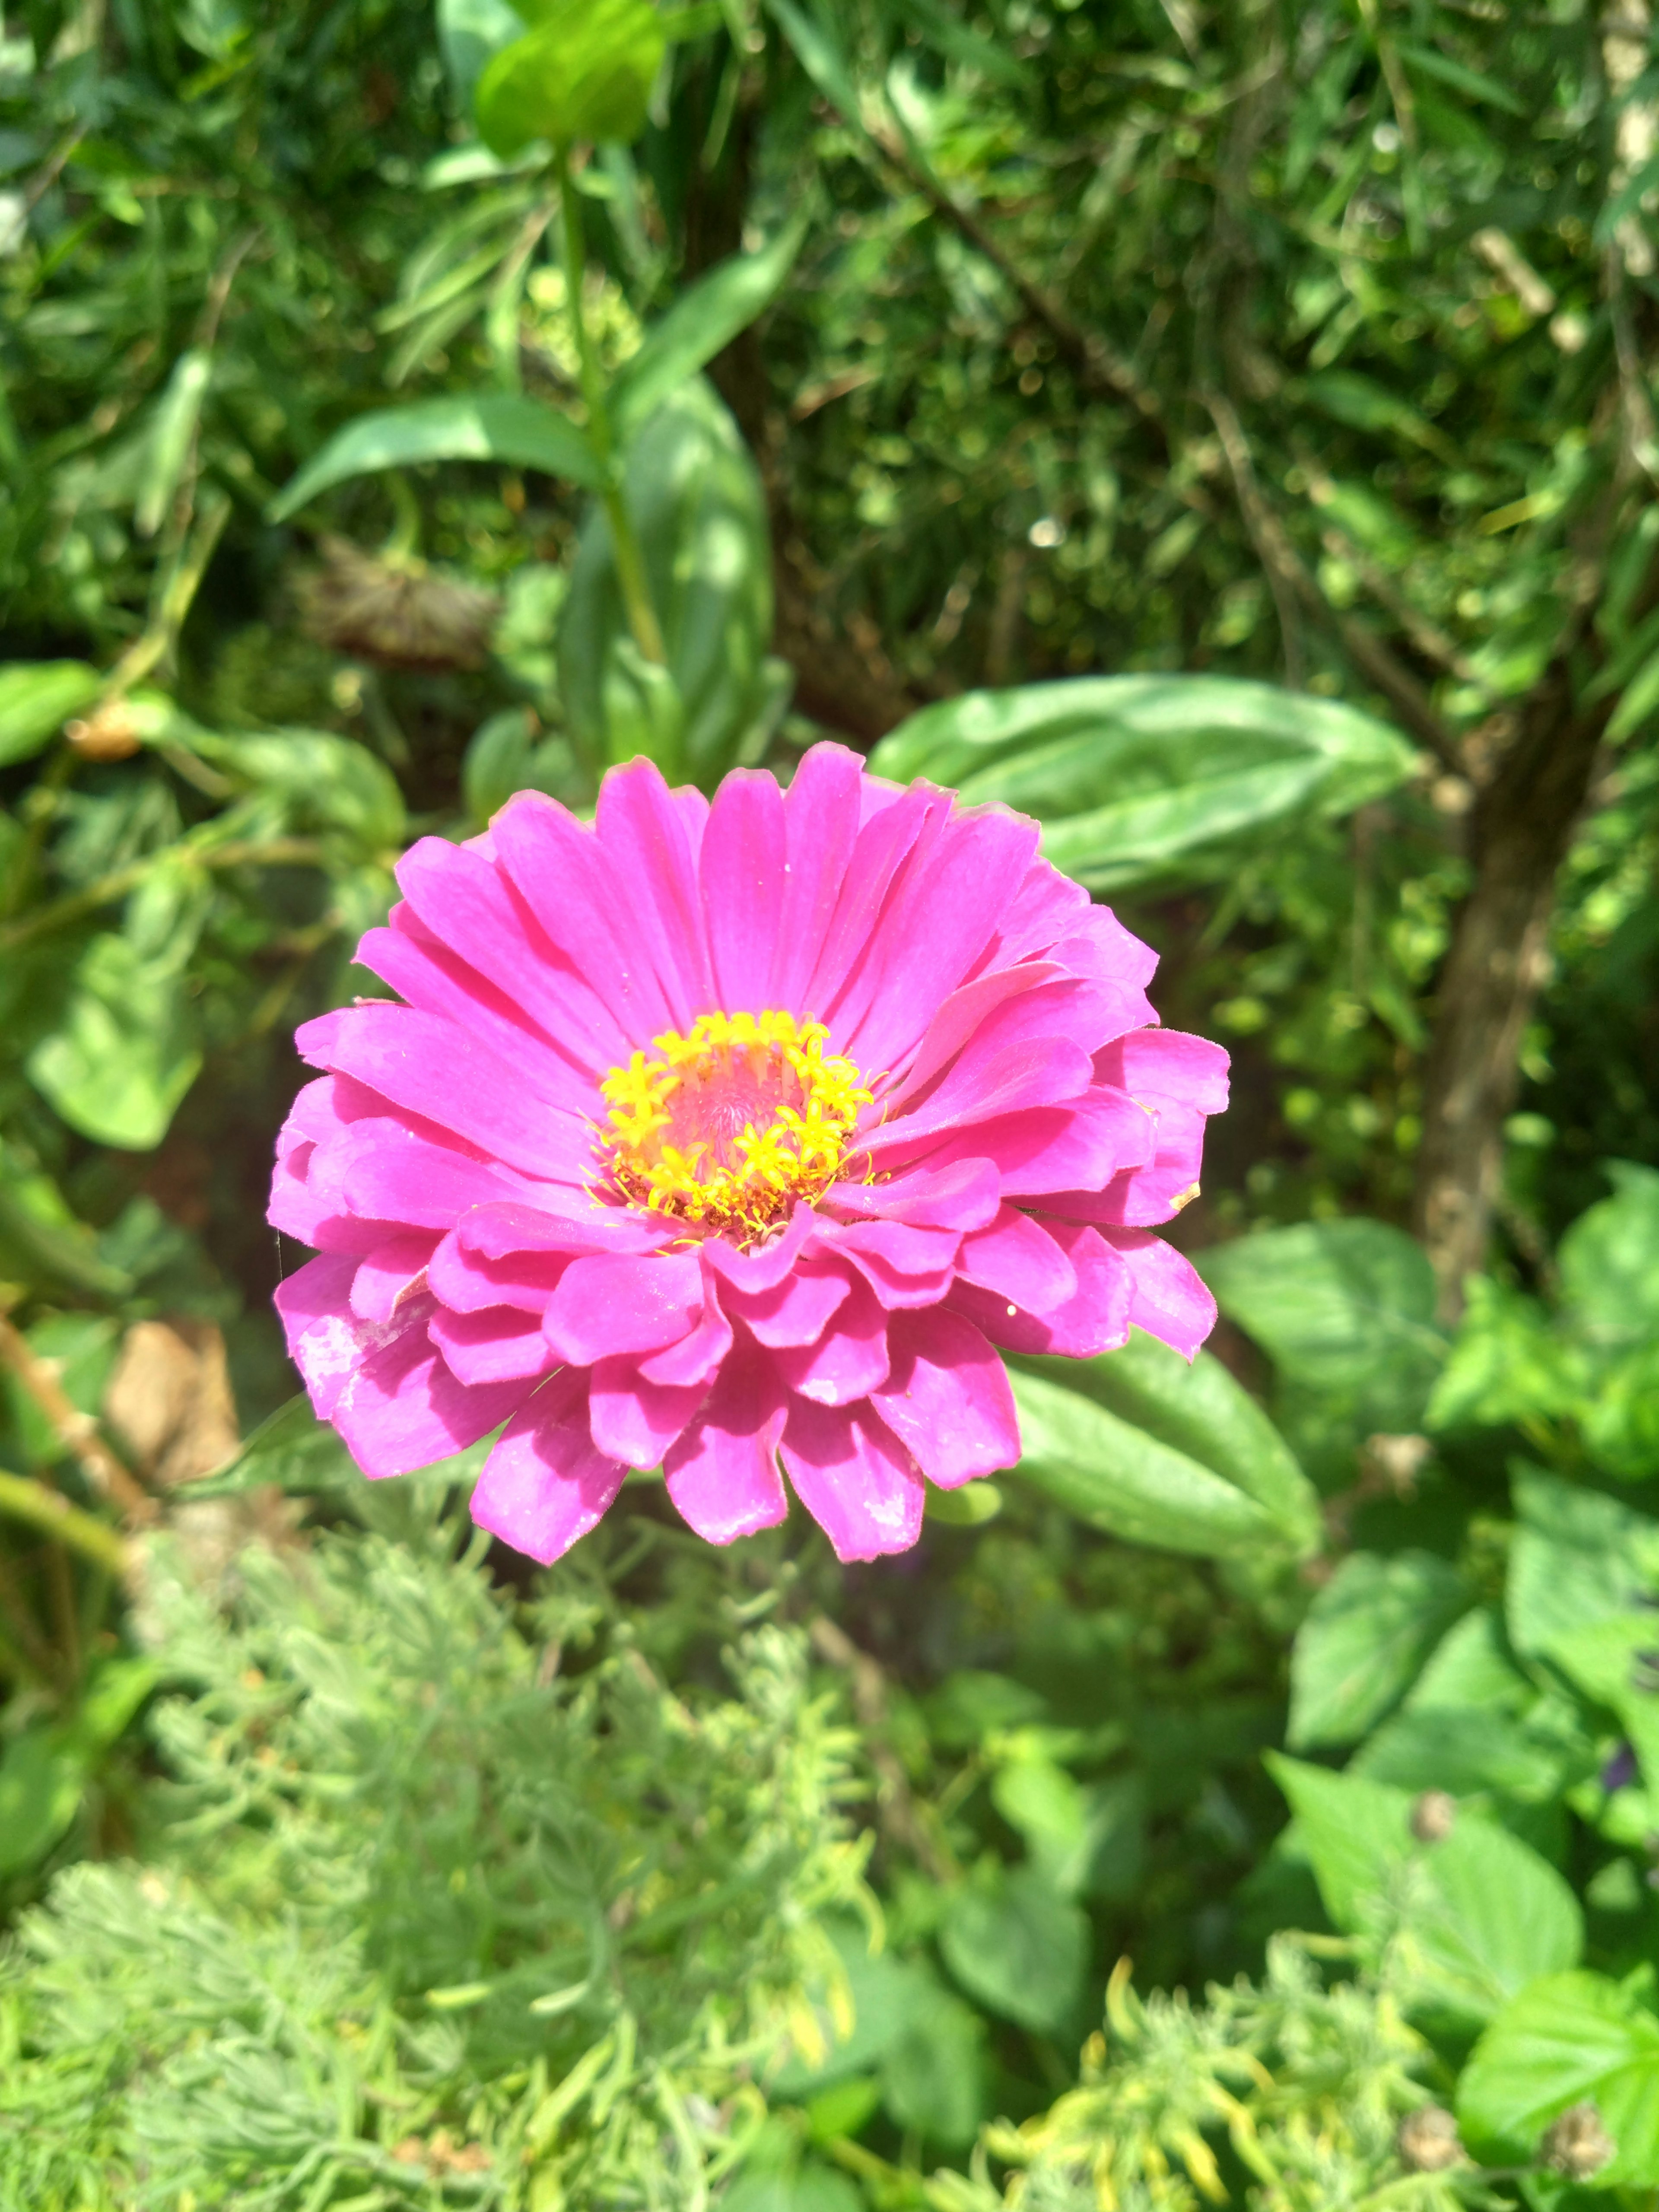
(1260, 399)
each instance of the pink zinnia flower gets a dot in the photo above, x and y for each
(720, 1135)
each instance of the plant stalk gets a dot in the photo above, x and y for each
(630, 566)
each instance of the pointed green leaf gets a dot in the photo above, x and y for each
(499, 427)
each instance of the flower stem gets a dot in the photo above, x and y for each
(630, 566)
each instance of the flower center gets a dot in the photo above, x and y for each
(733, 1123)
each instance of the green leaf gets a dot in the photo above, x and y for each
(1018, 1947)
(818, 48)
(1505, 1364)
(42, 1776)
(1141, 779)
(499, 427)
(36, 697)
(1366, 1635)
(707, 316)
(470, 31)
(699, 513)
(127, 1049)
(1345, 1311)
(1473, 1917)
(173, 434)
(504, 755)
(584, 71)
(321, 781)
(933, 2073)
(1578, 1558)
(1197, 1408)
(1609, 1262)
(1116, 1477)
(1565, 2039)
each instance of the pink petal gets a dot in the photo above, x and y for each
(576, 893)
(1156, 1064)
(438, 982)
(795, 1310)
(402, 1408)
(1167, 1297)
(959, 1017)
(501, 1343)
(821, 815)
(1016, 1259)
(1019, 1079)
(613, 1304)
(1113, 952)
(634, 1421)
(745, 854)
(695, 1359)
(855, 1478)
(948, 905)
(432, 1068)
(948, 1399)
(767, 1264)
(575, 1224)
(964, 1195)
(1078, 1147)
(1045, 908)
(849, 1360)
(904, 1265)
(389, 1273)
(1095, 1319)
(1139, 1196)
(325, 1338)
(722, 1473)
(467, 1283)
(469, 903)
(647, 833)
(545, 1485)
(380, 1169)
(879, 852)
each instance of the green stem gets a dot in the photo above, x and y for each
(630, 566)
(50, 1511)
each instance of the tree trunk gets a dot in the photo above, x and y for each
(1522, 822)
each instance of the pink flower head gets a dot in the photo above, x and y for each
(719, 1136)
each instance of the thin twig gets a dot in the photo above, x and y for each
(1280, 559)
(895, 1805)
(49, 1511)
(76, 1431)
(271, 852)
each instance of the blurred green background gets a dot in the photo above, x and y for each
(1222, 429)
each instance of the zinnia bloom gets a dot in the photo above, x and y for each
(722, 1135)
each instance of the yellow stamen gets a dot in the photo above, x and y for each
(734, 1121)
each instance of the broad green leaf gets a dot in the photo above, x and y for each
(1506, 1364)
(1609, 1262)
(127, 1049)
(172, 433)
(1357, 1834)
(36, 697)
(1565, 2039)
(42, 1776)
(933, 2073)
(707, 316)
(1018, 1947)
(1345, 1311)
(320, 780)
(1198, 1409)
(1473, 1666)
(1577, 1559)
(471, 32)
(499, 427)
(584, 71)
(1473, 1917)
(699, 512)
(505, 755)
(1366, 1635)
(1139, 778)
(1116, 1477)
(1471, 1751)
